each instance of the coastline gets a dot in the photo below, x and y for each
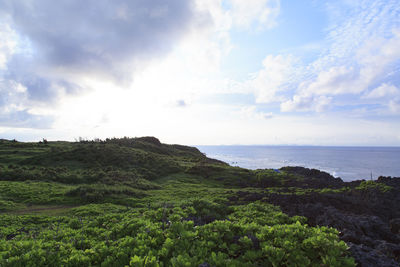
(348, 163)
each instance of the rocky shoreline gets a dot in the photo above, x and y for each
(368, 220)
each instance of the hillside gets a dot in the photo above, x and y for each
(139, 202)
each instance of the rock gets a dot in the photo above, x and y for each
(395, 226)
(366, 256)
(254, 239)
(315, 178)
(368, 220)
(10, 236)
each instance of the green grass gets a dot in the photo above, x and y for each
(35, 192)
(373, 185)
(137, 202)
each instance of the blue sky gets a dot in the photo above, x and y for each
(300, 29)
(202, 71)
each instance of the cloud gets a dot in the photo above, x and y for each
(107, 38)
(261, 14)
(336, 80)
(53, 48)
(13, 96)
(275, 77)
(394, 105)
(362, 54)
(13, 111)
(251, 113)
(383, 91)
(306, 103)
(102, 37)
(7, 44)
(24, 119)
(378, 55)
(353, 24)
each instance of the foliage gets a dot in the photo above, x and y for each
(34, 192)
(98, 193)
(6, 205)
(373, 185)
(306, 191)
(164, 237)
(138, 202)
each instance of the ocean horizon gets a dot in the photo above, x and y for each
(347, 162)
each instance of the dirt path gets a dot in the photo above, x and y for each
(44, 209)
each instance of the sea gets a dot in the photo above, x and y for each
(348, 163)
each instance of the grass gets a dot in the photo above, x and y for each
(138, 202)
(48, 210)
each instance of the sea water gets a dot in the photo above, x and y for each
(348, 163)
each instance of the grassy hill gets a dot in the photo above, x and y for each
(138, 202)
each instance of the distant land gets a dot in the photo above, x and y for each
(347, 162)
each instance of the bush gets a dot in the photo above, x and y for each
(372, 185)
(137, 238)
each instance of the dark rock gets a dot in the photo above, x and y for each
(246, 196)
(10, 236)
(235, 239)
(390, 181)
(368, 220)
(362, 220)
(254, 239)
(313, 178)
(395, 226)
(201, 220)
(369, 257)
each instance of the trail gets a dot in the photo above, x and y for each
(38, 209)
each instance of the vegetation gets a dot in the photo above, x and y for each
(372, 185)
(138, 202)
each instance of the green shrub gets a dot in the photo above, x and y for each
(163, 237)
(373, 185)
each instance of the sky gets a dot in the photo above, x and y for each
(202, 72)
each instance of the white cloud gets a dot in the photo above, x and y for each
(373, 59)
(363, 52)
(185, 71)
(13, 96)
(353, 24)
(394, 105)
(109, 41)
(8, 44)
(259, 13)
(336, 80)
(306, 103)
(275, 78)
(15, 109)
(383, 91)
(221, 18)
(377, 56)
(191, 70)
(251, 113)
